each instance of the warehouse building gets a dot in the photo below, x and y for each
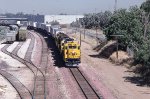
(62, 19)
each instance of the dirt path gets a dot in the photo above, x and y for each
(109, 78)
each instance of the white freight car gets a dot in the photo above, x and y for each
(30, 23)
(53, 28)
(15, 28)
(57, 31)
(35, 25)
(48, 28)
(11, 33)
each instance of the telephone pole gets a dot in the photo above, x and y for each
(117, 37)
(115, 7)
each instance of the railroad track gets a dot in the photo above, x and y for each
(39, 83)
(86, 88)
(22, 90)
(15, 56)
(44, 60)
(84, 85)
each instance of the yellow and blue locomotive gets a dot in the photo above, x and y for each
(69, 49)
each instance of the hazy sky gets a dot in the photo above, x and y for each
(63, 6)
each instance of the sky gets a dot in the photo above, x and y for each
(63, 6)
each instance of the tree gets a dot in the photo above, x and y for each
(142, 56)
(104, 18)
(75, 24)
(95, 20)
(134, 25)
(125, 23)
(146, 15)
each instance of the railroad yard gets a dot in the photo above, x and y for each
(64, 50)
(42, 73)
(34, 68)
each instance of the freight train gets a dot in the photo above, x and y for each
(68, 47)
(10, 31)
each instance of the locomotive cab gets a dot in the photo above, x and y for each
(64, 41)
(72, 53)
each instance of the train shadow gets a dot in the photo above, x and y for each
(57, 58)
(7, 42)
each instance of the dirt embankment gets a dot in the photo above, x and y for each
(116, 79)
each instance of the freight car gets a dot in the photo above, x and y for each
(69, 48)
(48, 28)
(10, 32)
(53, 28)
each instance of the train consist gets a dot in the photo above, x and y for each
(10, 32)
(68, 47)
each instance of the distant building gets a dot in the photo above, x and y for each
(62, 19)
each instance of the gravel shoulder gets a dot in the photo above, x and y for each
(109, 79)
(15, 68)
(12, 46)
(22, 51)
(6, 90)
(36, 52)
(61, 84)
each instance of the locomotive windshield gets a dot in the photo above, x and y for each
(72, 47)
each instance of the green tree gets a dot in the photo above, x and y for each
(126, 23)
(96, 20)
(146, 16)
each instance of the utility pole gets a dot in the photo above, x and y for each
(84, 28)
(33, 16)
(115, 7)
(84, 31)
(117, 36)
(96, 23)
(80, 39)
(96, 27)
(96, 35)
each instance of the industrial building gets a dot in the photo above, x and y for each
(62, 19)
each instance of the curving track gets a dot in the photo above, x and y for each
(44, 61)
(88, 90)
(39, 77)
(39, 83)
(22, 90)
(39, 91)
